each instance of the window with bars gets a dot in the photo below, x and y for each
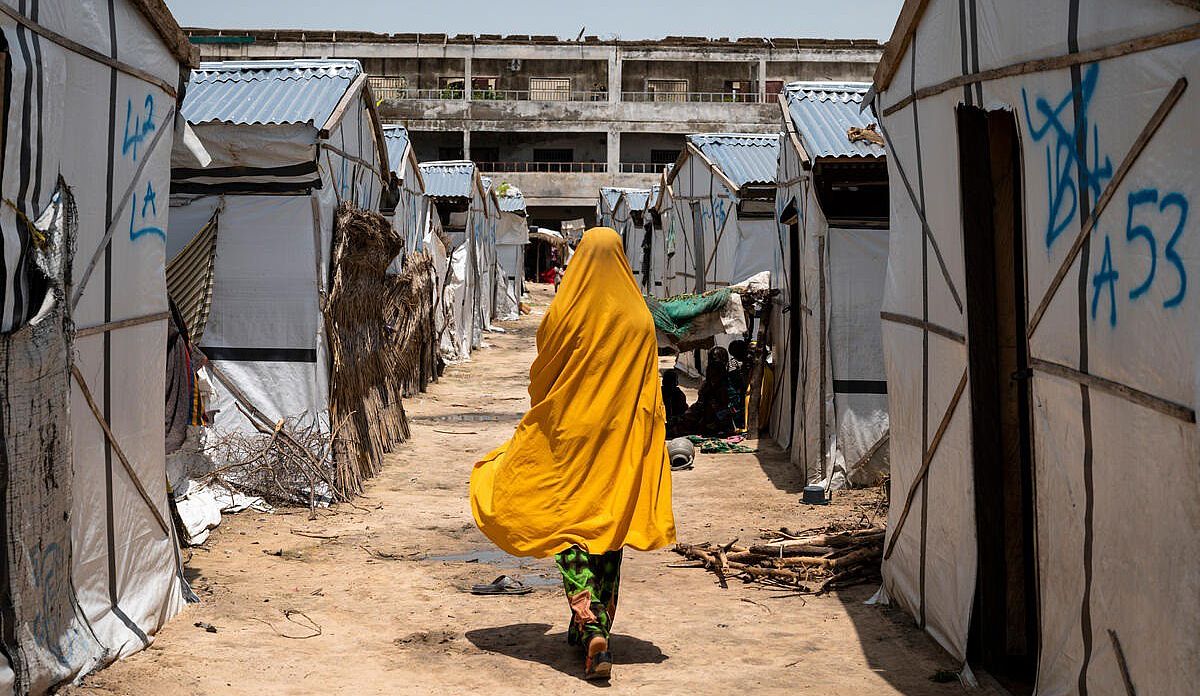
(550, 88)
(668, 90)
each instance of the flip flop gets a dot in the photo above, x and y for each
(502, 585)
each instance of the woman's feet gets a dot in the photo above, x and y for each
(598, 664)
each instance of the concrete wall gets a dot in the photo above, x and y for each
(519, 147)
(544, 189)
(636, 147)
(701, 76)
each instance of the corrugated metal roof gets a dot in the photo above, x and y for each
(823, 112)
(451, 179)
(610, 194)
(512, 201)
(637, 198)
(396, 138)
(268, 91)
(743, 157)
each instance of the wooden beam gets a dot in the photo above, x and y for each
(116, 446)
(159, 15)
(924, 325)
(1122, 391)
(123, 324)
(928, 459)
(1144, 43)
(893, 50)
(1151, 127)
(353, 93)
(793, 135)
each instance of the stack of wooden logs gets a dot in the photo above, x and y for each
(814, 562)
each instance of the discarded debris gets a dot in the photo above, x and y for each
(208, 628)
(291, 615)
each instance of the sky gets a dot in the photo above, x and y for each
(624, 19)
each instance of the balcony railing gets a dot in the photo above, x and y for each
(397, 89)
(693, 97)
(641, 168)
(545, 167)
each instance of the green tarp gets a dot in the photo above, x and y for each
(674, 316)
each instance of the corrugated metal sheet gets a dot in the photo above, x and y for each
(396, 138)
(610, 194)
(513, 201)
(268, 91)
(448, 179)
(822, 112)
(638, 199)
(743, 157)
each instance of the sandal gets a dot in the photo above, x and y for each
(503, 585)
(598, 666)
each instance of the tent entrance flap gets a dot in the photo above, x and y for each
(1004, 631)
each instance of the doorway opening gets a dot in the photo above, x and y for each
(1004, 636)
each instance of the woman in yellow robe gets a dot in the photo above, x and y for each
(586, 473)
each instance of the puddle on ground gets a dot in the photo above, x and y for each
(467, 418)
(534, 576)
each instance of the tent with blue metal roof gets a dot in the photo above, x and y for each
(469, 213)
(829, 397)
(723, 189)
(512, 234)
(722, 230)
(629, 222)
(288, 140)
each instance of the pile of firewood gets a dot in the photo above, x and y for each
(813, 562)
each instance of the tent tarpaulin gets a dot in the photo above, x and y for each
(1079, 126)
(105, 575)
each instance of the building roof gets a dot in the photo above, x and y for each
(449, 179)
(823, 112)
(512, 200)
(268, 92)
(396, 138)
(235, 35)
(745, 158)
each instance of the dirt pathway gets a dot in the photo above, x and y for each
(382, 582)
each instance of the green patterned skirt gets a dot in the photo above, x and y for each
(591, 582)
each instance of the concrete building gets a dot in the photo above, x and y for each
(560, 119)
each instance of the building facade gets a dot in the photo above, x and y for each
(559, 118)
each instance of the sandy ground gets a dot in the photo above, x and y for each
(383, 581)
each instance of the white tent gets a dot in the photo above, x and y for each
(415, 217)
(469, 215)
(1043, 339)
(289, 141)
(512, 234)
(628, 219)
(829, 401)
(413, 214)
(89, 564)
(606, 204)
(722, 198)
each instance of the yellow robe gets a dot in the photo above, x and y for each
(587, 465)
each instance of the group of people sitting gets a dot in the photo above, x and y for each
(720, 407)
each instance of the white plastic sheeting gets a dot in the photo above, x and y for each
(1115, 480)
(94, 125)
